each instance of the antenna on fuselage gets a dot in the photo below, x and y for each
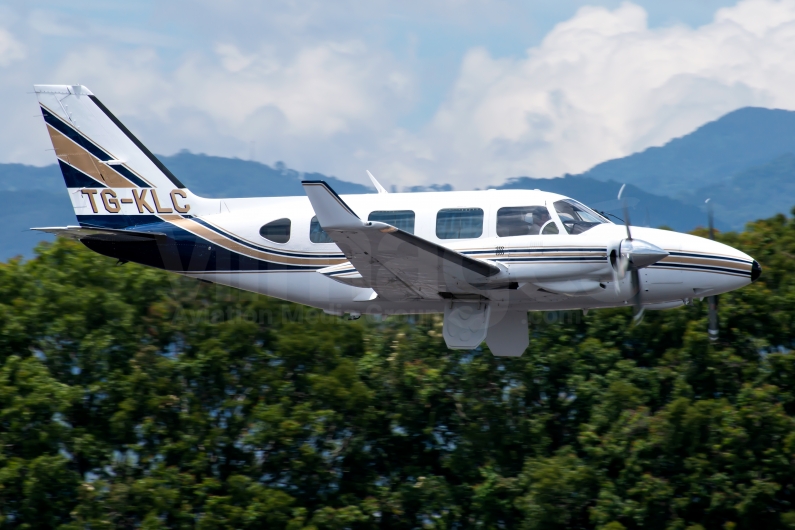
(378, 187)
(712, 300)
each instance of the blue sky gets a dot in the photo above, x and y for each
(469, 92)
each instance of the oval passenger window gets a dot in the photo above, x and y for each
(277, 231)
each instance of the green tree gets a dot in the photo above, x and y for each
(132, 398)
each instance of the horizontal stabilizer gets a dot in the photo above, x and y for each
(344, 273)
(102, 234)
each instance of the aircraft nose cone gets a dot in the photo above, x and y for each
(642, 253)
(756, 271)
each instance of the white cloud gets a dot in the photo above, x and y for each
(603, 85)
(313, 108)
(11, 49)
(323, 90)
(233, 59)
(53, 24)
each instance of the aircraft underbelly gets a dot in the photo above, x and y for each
(313, 289)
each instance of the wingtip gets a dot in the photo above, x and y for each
(313, 197)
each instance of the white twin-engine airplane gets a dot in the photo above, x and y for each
(483, 258)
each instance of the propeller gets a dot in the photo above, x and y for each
(712, 300)
(634, 275)
(619, 261)
(633, 255)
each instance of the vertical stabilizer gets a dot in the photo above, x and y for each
(113, 179)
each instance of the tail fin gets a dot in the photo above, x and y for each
(113, 179)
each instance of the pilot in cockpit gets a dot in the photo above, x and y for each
(522, 220)
(540, 218)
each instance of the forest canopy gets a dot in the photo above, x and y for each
(130, 398)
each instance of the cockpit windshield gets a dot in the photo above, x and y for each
(576, 217)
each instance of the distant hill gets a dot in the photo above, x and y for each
(744, 161)
(754, 193)
(30, 196)
(208, 176)
(20, 210)
(14, 177)
(215, 176)
(710, 155)
(35, 196)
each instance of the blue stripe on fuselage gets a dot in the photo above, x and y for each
(116, 220)
(181, 251)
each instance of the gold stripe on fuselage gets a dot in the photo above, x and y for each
(219, 239)
(717, 261)
(202, 231)
(255, 243)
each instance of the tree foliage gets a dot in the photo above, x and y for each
(134, 398)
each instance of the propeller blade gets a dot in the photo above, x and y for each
(616, 284)
(638, 254)
(637, 299)
(711, 223)
(620, 266)
(620, 272)
(626, 211)
(626, 261)
(626, 221)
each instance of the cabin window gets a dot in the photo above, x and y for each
(522, 221)
(277, 231)
(459, 223)
(576, 217)
(402, 219)
(317, 234)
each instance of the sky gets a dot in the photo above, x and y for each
(466, 92)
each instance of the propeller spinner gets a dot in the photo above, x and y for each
(633, 255)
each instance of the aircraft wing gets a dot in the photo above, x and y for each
(105, 234)
(395, 264)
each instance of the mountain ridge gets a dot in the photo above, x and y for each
(35, 196)
(744, 161)
(715, 151)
